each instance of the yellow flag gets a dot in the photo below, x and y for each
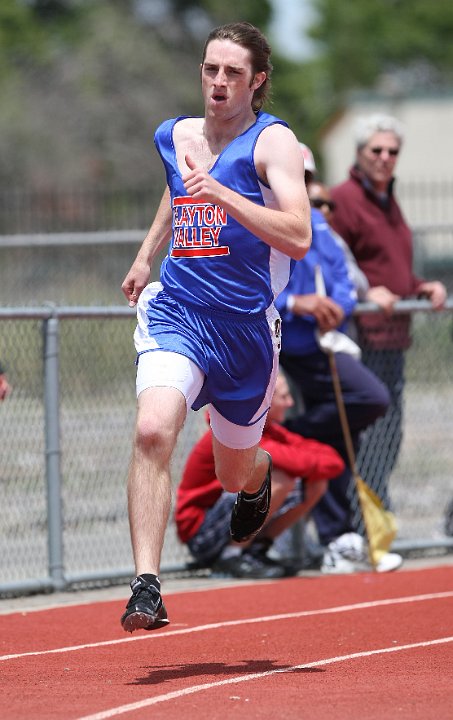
(380, 524)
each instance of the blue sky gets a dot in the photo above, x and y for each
(287, 30)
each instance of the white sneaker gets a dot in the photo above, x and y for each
(351, 545)
(346, 554)
(349, 554)
(333, 563)
(389, 562)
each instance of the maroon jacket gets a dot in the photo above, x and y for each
(381, 243)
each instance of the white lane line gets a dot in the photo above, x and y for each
(231, 623)
(131, 707)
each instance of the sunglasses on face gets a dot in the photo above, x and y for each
(319, 203)
(393, 152)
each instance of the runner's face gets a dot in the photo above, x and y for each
(227, 79)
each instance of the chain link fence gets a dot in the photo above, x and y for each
(75, 268)
(66, 433)
(66, 429)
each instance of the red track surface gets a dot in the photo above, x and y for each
(362, 646)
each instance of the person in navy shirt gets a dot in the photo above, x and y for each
(305, 312)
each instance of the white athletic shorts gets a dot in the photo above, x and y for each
(168, 369)
(200, 354)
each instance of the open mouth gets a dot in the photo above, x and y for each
(219, 97)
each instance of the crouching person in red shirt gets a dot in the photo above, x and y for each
(302, 469)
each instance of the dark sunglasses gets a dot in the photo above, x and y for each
(379, 150)
(319, 203)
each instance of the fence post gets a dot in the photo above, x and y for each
(53, 452)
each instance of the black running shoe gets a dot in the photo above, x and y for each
(250, 511)
(247, 566)
(145, 609)
(259, 549)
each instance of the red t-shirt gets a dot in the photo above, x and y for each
(199, 489)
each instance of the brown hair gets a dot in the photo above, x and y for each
(249, 37)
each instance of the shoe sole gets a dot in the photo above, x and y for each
(142, 621)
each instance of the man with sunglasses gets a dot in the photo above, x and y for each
(368, 217)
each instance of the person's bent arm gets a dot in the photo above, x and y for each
(279, 163)
(383, 297)
(5, 387)
(327, 313)
(158, 235)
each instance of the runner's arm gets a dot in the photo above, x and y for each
(158, 235)
(279, 163)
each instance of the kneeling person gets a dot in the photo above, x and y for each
(302, 469)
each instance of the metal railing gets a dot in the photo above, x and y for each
(66, 434)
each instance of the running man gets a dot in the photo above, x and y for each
(235, 211)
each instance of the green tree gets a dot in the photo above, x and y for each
(362, 39)
(257, 12)
(85, 83)
(395, 46)
(19, 35)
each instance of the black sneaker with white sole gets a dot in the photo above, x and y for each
(246, 566)
(145, 609)
(259, 549)
(250, 511)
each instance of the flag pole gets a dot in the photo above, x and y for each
(380, 524)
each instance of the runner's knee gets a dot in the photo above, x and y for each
(153, 435)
